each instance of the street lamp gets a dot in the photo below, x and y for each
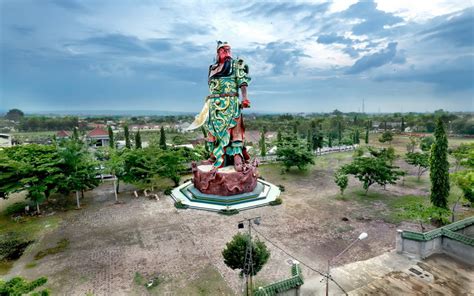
(362, 236)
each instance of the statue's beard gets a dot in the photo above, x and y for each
(224, 58)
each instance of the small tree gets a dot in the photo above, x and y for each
(162, 138)
(439, 167)
(341, 180)
(412, 145)
(170, 165)
(420, 160)
(294, 153)
(115, 165)
(372, 170)
(78, 167)
(426, 142)
(138, 140)
(235, 250)
(387, 136)
(111, 137)
(423, 214)
(34, 168)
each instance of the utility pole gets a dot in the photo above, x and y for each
(248, 261)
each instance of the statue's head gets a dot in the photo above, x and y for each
(223, 51)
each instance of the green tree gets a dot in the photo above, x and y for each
(420, 160)
(341, 180)
(34, 168)
(235, 250)
(263, 147)
(138, 140)
(279, 137)
(162, 138)
(78, 167)
(111, 137)
(75, 133)
(171, 165)
(339, 132)
(126, 134)
(293, 152)
(14, 114)
(367, 132)
(115, 165)
(426, 142)
(18, 286)
(387, 136)
(402, 126)
(372, 170)
(439, 167)
(309, 140)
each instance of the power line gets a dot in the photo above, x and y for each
(300, 261)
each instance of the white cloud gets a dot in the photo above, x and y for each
(413, 10)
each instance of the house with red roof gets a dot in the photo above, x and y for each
(62, 134)
(98, 137)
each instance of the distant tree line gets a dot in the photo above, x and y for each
(44, 123)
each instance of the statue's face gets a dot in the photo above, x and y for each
(224, 52)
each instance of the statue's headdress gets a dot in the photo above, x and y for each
(221, 44)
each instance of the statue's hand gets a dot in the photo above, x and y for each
(246, 103)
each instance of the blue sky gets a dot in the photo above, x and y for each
(303, 56)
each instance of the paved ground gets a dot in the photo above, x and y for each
(110, 243)
(394, 274)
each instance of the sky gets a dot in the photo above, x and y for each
(396, 56)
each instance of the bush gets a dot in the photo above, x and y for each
(228, 212)
(168, 191)
(179, 205)
(16, 208)
(281, 187)
(277, 201)
(12, 246)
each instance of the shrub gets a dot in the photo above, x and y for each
(277, 201)
(281, 187)
(168, 191)
(16, 208)
(179, 205)
(228, 212)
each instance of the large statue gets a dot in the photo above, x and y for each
(222, 110)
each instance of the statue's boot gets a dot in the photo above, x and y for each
(238, 163)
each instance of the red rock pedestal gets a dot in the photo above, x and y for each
(225, 181)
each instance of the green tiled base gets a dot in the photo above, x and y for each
(195, 195)
(262, 195)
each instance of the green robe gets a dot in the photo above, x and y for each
(225, 110)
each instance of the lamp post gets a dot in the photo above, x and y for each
(362, 236)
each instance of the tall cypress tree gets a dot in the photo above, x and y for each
(111, 137)
(75, 134)
(126, 134)
(138, 140)
(339, 132)
(162, 138)
(263, 148)
(439, 167)
(367, 132)
(309, 140)
(402, 127)
(279, 137)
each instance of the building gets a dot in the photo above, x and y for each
(5, 140)
(98, 137)
(62, 134)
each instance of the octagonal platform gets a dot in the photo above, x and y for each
(263, 194)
